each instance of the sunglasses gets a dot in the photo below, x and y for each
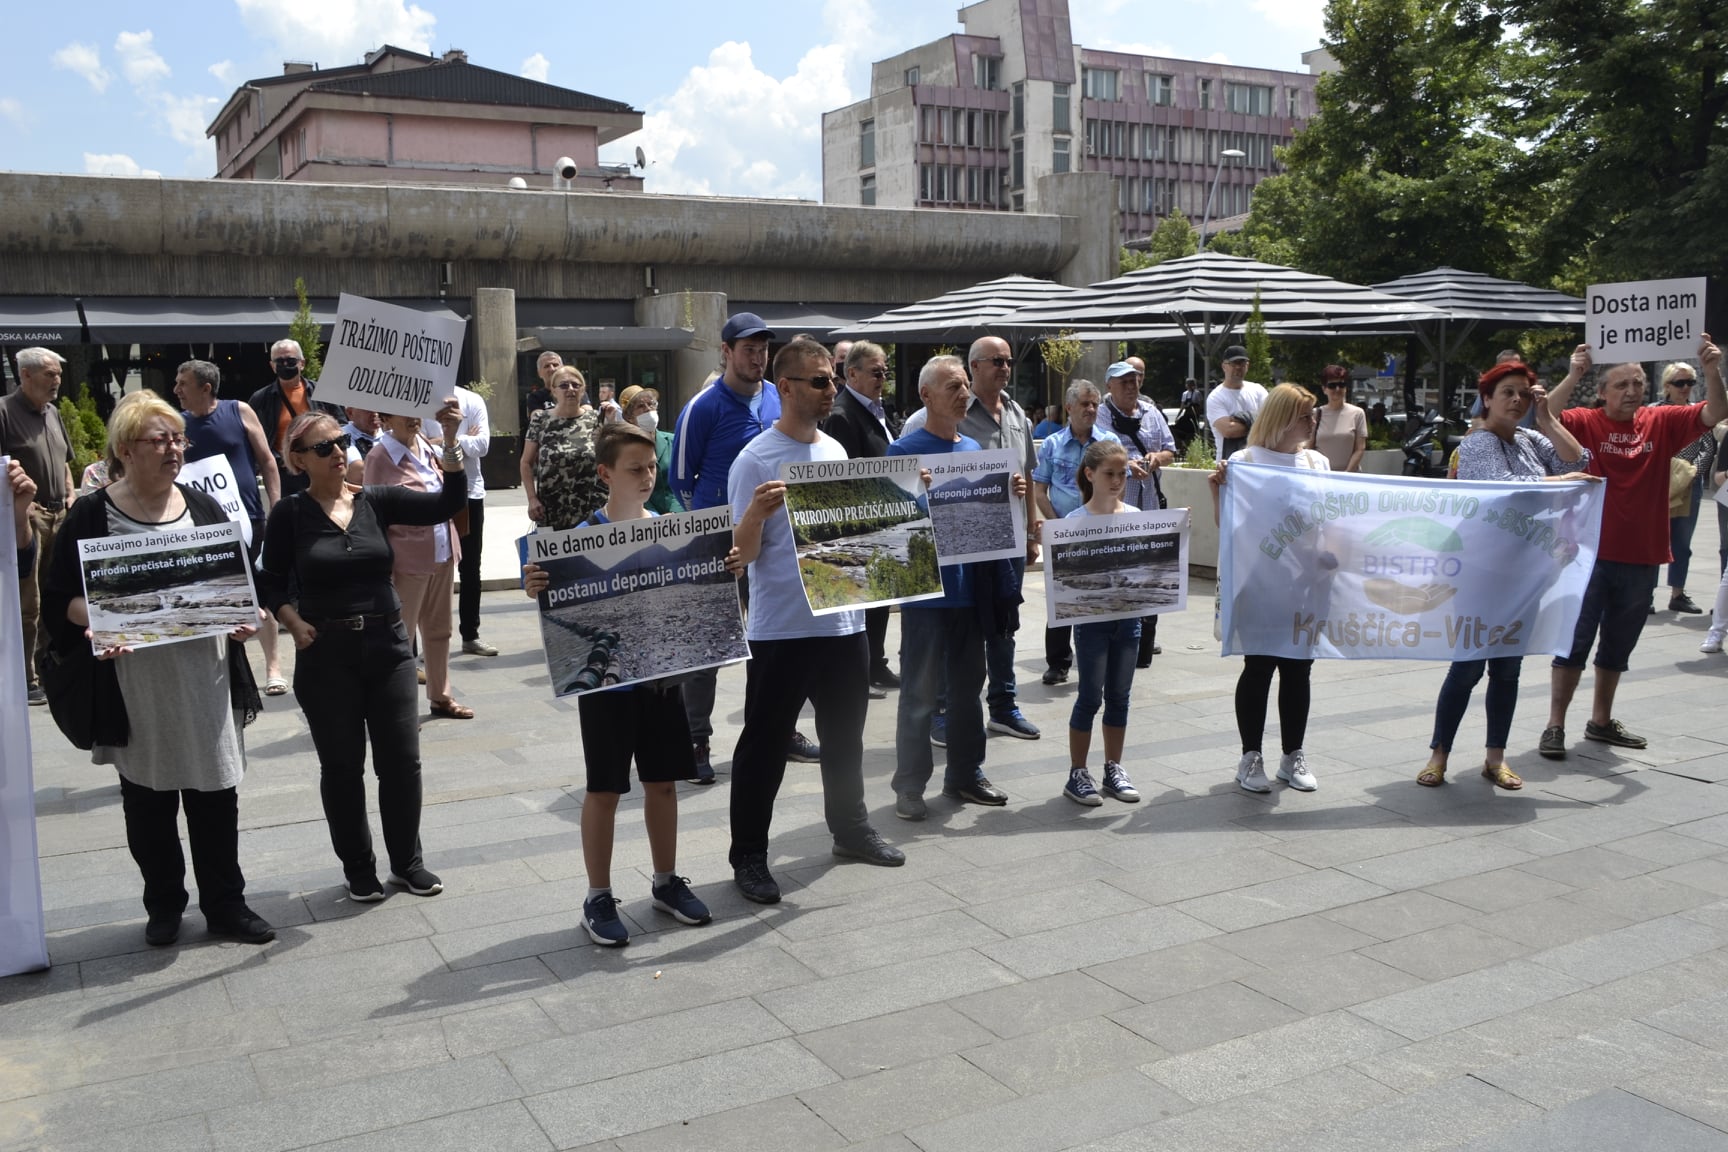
(1336, 384)
(998, 361)
(287, 362)
(820, 383)
(323, 448)
(878, 373)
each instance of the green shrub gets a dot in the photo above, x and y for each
(84, 428)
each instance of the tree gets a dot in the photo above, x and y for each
(1060, 354)
(304, 330)
(1254, 337)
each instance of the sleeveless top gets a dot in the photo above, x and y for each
(223, 433)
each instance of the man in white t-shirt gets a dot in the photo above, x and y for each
(1235, 398)
(795, 655)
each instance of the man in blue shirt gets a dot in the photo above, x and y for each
(1056, 487)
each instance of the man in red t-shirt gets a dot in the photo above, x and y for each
(1630, 446)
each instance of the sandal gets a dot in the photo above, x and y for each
(451, 710)
(1432, 776)
(276, 686)
(1503, 777)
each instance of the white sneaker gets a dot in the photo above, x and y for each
(1712, 642)
(1251, 773)
(1293, 770)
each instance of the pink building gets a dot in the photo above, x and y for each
(402, 117)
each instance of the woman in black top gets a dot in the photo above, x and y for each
(326, 576)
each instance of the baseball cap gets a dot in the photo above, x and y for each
(1120, 368)
(1235, 352)
(742, 326)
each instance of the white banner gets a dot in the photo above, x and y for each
(214, 476)
(1341, 565)
(1644, 320)
(23, 944)
(387, 358)
(973, 507)
(1119, 567)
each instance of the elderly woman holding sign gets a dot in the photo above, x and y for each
(326, 575)
(1501, 450)
(167, 717)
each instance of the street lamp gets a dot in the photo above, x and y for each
(1205, 222)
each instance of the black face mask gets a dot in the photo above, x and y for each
(287, 369)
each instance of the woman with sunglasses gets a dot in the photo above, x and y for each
(1342, 434)
(327, 576)
(559, 476)
(1501, 450)
(169, 717)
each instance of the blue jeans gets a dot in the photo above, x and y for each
(937, 646)
(1680, 529)
(1454, 698)
(1105, 654)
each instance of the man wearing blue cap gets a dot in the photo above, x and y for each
(711, 431)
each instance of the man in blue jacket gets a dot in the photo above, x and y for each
(711, 431)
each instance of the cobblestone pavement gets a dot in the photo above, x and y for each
(1372, 966)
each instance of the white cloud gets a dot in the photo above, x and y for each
(1132, 47)
(1218, 58)
(115, 164)
(1307, 17)
(537, 67)
(334, 32)
(223, 70)
(12, 110)
(732, 128)
(86, 61)
(139, 60)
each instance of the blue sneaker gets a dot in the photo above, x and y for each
(1012, 723)
(939, 730)
(600, 920)
(704, 765)
(1080, 788)
(675, 898)
(803, 750)
(1117, 786)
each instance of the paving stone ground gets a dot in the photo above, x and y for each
(1373, 966)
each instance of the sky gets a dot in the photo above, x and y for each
(732, 94)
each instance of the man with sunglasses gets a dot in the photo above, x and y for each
(277, 404)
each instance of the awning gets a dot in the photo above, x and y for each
(186, 319)
(571, 338)
(30, 320)
(789, 319)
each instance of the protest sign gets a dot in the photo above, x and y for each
(1644, 320)
(973, 508)
(23, 938)
(214, 477)
(1341, 565)
(1119, 567)
(638, 600)
(164, 587)
(862, 531)
(386, 358)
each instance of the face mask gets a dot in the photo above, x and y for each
(286, 370)
(649, 421)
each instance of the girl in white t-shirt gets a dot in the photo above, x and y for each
(1280, 436)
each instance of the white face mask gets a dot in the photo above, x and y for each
(649, 421)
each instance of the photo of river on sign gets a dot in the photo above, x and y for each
(863, 532)
(163, 587)
(1118, 567)
(638, 600)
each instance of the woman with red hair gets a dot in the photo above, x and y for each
(1501, 450)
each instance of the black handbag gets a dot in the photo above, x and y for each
(69, 682)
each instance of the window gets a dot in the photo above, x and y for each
(1092, 129)
(1160, 90)
(912, 76)
(987, 72)
(926, 182)
(1163, 197)
(1292, 103)
(1205, 94)
(927, 125)
(1059, 155)
(1017, 102)
(1099, 83)
(1121, 194)
(992, 187)
(867, 190)
(1018, 164)
(972, 136)
(1018, 202)
(1059, 108)
(1118, 132)
(1248, 99)
(867, 144)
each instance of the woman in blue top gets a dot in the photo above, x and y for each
(1501, 450)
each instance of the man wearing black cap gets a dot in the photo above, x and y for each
(711, 431)
(1231, 408)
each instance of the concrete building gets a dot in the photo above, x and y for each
(401, 117)
(975, 119)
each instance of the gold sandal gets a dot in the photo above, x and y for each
(1503, 777)
(1432, 776)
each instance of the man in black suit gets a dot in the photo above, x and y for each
(864, 428)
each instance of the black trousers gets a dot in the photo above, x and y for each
(212, 828)
(1255, 684)
(832, 672)
(1148, 637)
(354, 686)
(876, 630)
(1059, 647)
(468, 572)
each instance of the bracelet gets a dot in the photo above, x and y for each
(452, 458)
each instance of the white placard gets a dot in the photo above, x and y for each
(23, 942)
(214, 476)
(164, 587)
(1115, 567)
(1644, 320)
(387, 358)
(973, 506)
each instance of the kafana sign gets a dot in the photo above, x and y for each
(387, 358)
